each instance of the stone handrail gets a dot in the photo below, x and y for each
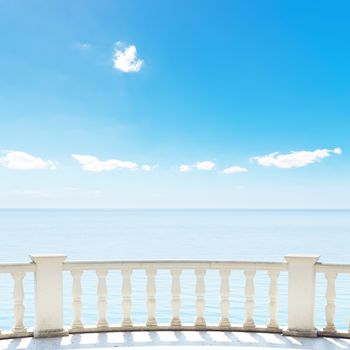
(171, 264)
(48, 277)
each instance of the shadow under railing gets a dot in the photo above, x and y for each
(175, 340)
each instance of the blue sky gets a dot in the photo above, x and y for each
(149, 88)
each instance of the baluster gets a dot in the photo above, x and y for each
(76, 302)
(102, 302)
(273, 293)
(249, 299)
(330, 298)
(151, 297)
(225, 298)
(126, 291)
(200, 304)
(18, 301)
(175, 303)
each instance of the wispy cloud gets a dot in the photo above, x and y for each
(205, 165)
(235, 170)
(83, 45)
(76, 192)
(17, 160)
(92, 163)
(184, 168)
(295, 159)
(126, 60)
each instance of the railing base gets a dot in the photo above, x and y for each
(336, 334)
(183, 327)
(312, 333)
(50, 333)
(138, 328)
(11, 335)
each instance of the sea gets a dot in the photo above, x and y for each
(175, 234)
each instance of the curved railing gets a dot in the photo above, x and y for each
(47, 272)
(175, 269)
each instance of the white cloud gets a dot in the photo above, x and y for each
(17, 160)
(92, 163)
(295, 159)
(184, 168)
(235, 170)
(127, 60)
(148, 167)
(206, 165)
(337, 150)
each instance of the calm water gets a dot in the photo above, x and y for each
(175, 234)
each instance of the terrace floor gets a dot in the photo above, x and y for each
(181, 340)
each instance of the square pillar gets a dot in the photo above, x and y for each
(301, 295)
(48, 296)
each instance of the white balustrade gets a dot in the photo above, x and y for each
(151, 297)
(225, 298)
(200, 302)
(18, 273)
(175, 303)
(102, 301)
(76, 299)
(330, 300)
(273, 294)
(126, 291)
(48, 272)
(18, 298)
(249, 299)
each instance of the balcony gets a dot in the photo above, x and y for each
(47, 273)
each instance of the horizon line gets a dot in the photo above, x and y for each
(155, 208)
